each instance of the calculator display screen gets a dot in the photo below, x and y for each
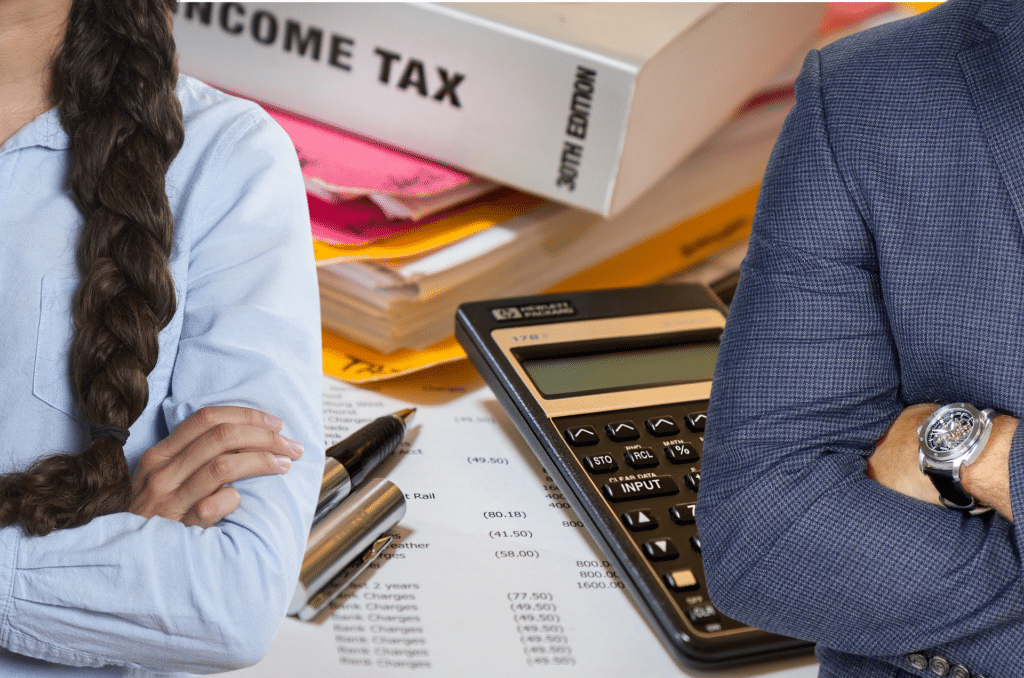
(620, 370)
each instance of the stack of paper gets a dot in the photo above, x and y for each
(389, 303)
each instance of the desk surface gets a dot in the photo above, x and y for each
(489, 574)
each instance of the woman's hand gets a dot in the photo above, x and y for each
(894, 462)
(184, 477)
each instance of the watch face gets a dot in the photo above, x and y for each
(950, 430)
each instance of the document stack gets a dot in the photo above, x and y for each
(471, 150)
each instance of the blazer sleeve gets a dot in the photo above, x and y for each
(155, 594)
(796, 538)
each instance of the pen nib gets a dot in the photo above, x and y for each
(405, 415)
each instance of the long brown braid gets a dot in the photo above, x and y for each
(114, 78)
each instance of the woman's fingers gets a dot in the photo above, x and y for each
(184, 476)
(227, 468)
(221, 439)
(211, 510)
(202, 421)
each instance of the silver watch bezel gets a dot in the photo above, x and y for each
(966, 451)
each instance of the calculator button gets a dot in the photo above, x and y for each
(657, 486)
(683, 514)
(702, 614)
(695, 542)
(681, 580)
(622, 430)
(581, 435)
(661, 549)
(681, 453)
(692, 480)
(696, 421)
(600, 463)
(639, 520)
(662, 426)
(642, 458)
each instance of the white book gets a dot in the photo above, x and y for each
(587, 104)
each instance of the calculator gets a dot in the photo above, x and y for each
(610, 390)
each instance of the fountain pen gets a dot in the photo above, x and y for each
(350, 461)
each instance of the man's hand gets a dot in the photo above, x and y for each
(988, 478)
(184, 477)
(894, 462)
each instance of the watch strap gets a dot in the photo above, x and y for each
(952, 493)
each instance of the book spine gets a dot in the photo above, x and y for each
(502, 103)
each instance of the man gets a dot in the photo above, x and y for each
(885, 271)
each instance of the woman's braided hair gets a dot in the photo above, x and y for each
(114, 79)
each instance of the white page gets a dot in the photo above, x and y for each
(450, 601)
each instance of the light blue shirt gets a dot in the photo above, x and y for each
(124, 595)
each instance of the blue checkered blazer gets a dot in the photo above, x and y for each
(886, 267)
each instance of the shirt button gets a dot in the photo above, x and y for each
(918, 661)
(959, 671)
(939, 665)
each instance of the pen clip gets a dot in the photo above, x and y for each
(346, 576)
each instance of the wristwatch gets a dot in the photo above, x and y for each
(951, 438)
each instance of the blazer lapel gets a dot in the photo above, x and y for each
(994, 71)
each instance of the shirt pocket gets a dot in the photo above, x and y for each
(51, 380)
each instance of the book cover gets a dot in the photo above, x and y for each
(586, 104)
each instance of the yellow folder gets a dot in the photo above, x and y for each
(685, 244)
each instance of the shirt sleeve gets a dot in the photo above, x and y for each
(155, 594)
(796, 538)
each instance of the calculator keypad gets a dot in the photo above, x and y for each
(649, 476)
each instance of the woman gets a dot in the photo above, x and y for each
(162, 335)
